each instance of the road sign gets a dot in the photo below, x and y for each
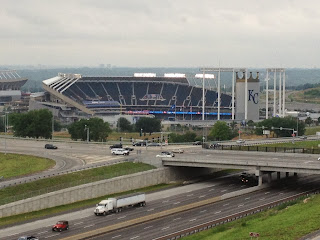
(254, 234)
(266, 132)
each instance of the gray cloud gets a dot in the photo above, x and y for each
(160, 33)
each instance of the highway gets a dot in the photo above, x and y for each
(161, 201)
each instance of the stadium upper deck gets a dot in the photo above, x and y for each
(10, 80)
(141, 93)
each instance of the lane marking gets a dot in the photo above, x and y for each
(241, 205)
(148, 227)
(189, 195)
(52, 235)
(225, 204)
(223, 190)
(165, 201)
(247, 198)
(116, 236)
(89, 226)
(134, 237)
(211, 189)
(231, 185)
(191, 220)
(150, 209)
(78, 223)
(262, 199)
(37, 233)
(165, 228)
(176, 203)
(217, 212)
(202, 196)
(12, 234)
(243, 186)
(177, 219)
(122, 217)
(203, 211)
(266, 192)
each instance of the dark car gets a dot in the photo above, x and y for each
(50, 146)
(153, 144)
(142, 143)
(197, 143)
(128, 148)
(28, 238)
(60, 225)
(119, 145)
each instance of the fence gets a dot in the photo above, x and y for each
(266, 149)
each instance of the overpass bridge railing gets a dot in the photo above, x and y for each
(265, 149)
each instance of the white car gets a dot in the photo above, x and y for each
(165, 154)
(179, 150)
(239, 141)
(318, 158)
(119, 151)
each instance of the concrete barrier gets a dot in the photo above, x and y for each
(101, 188)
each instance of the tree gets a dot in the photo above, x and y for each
(98, 130)
(124, 125)
(220, 131)
(179, 138)
(148, 125)
(34, 124)
(286, 122)
(308, 121)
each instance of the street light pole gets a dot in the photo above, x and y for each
(87, 128)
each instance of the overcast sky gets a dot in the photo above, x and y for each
(160, 33)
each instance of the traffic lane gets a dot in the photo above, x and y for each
(200, 215)
(96, 222)
(152, 207)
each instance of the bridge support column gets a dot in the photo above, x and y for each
(269, 177)
(295, 174)
(287, 174)
(278, 175)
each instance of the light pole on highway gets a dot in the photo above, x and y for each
(87, 128)
(6, 123)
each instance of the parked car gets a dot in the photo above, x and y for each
(119, 145)
(318, 158)
(239, 141)
(197, 143)
(303, 137)
(128, 148)
(61, 225)
(214, 145)
(153, 144)
(50, 146)
(165, 154)
(178, 150)
(28, 238)
(119, 151)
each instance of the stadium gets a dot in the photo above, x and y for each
(10, 86)
(167, 97)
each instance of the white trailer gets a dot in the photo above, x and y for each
(117, 204)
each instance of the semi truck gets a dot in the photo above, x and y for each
(114, 205)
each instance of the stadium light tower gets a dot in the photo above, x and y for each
(204, 76)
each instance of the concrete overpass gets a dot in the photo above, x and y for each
(260, 162)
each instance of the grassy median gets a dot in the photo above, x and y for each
(13, 165)
(285, 222)
(42, 186)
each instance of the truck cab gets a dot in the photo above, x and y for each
(104, 207)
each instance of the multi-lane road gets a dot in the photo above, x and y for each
(85, 220)
(73, 156)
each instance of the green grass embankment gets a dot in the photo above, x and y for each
(71, 207)
(13, 165)
(296, 144)
(51, 184)
(286, 222)
(312, 130)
